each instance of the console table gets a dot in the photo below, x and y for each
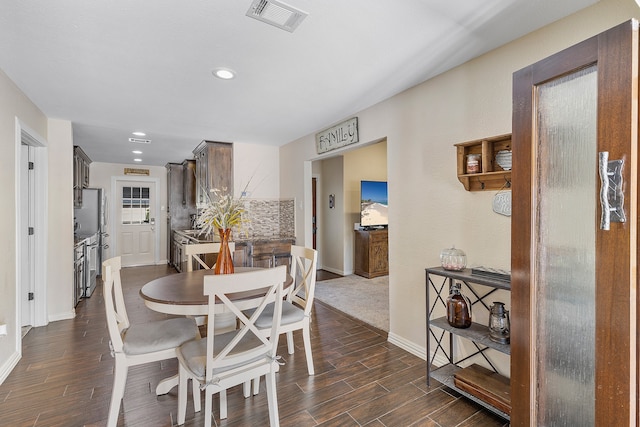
(372, 253)
(477, 334)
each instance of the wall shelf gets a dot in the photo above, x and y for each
(492, 175)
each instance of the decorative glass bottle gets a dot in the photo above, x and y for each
(458, 308)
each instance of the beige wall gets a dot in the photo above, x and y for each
(60, 229)
(331, 226)
(256, 168)
(429, 208)
(59, 262)
(366, 163)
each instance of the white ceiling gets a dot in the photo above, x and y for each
(115, 66)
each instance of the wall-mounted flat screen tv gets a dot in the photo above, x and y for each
(373, 204)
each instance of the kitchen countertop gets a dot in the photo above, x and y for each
(195, 238)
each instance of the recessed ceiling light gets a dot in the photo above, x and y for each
(137, 160)
(224, 73)
(139, 133)
(137, 152)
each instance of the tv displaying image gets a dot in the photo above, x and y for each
(373, 204)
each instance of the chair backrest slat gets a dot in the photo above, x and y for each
(117, 319)
(303, 270)
(196, 251)
(262, 287)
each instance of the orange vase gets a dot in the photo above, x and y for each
(224, 262)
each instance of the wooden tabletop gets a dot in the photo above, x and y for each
(183, 293)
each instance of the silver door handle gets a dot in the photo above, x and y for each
(611, 195)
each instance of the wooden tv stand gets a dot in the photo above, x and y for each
(372, 253)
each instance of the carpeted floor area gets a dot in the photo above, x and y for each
(362, 298)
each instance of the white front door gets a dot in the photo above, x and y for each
(135, 222)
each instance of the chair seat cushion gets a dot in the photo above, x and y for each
(290, 314)
(193, 354)
(158, 335)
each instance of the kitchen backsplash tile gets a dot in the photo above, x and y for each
(269, 218)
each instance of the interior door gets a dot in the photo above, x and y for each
(27, 246)
(136, 222)
(573, 316)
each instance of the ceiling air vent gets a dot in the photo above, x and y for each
(276, 13)
(140, 141)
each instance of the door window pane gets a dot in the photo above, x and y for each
(135, 205)
(566, 158)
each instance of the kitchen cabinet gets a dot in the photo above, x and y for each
(78, 271)
(493, 171)
(80, 175)
(189, 184)
(267, 254)
(181, 204)
(371, 253)
(214, 169)
(477, 334)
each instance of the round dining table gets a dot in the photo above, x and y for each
(183, 294)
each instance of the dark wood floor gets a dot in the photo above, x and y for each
(65, 375)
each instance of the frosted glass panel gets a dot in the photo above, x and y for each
(566, 162)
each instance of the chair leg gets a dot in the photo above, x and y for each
(256, 385)
(119, 381)
(306, 336)
(208, 405)
(246, 388)
(290, 345)
(196, 395)
(223, 404)
(272, 399)
(182, 394)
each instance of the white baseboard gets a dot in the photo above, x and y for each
(8, 366)
(336, 271)
(407, 345)
(416, 350)
(62, 316)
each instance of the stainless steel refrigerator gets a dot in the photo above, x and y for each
(91, 224)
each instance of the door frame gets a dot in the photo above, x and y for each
(115, 249)
(24, 134)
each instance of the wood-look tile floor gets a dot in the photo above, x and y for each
(65, 376)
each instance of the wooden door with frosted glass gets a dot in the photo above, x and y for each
(573, 312)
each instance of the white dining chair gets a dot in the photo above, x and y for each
(196, 253)
(137, 344)
(296, 310)
(219, 362)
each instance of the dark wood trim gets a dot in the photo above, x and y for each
(617, 133)
(521, 248)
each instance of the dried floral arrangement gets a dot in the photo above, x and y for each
(221, 213)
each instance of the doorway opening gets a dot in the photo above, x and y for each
(31, 229)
